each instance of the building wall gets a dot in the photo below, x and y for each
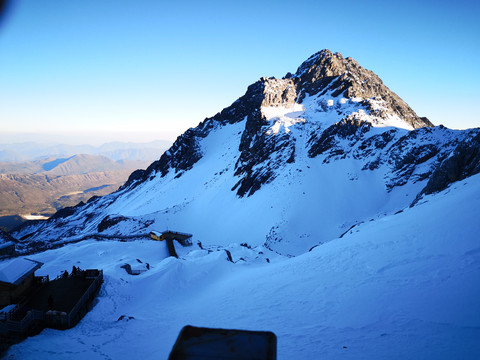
(4, 295)
(11, 294)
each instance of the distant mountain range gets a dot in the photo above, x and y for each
(41, 179)
(127, 151)
(73, 165)
(45, 186)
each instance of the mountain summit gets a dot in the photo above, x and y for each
(326, 89)
(325, 72)
(293, 163)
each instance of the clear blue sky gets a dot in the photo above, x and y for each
(146, 69)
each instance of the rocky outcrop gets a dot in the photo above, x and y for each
(275, 151)
(278, 92)
(328, 139)
(183, 154)
(257, 146)
(67, 211)
(109, 221)
(4, 237)
(327, 71)
(463, 162)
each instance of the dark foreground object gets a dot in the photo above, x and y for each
(196, 343)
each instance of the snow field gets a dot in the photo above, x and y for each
(402, 286)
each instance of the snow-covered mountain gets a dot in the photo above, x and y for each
(328, 212)
(293, 163)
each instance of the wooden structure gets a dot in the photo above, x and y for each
(183, 238)
(17, 278)
(31, 316)
(156, 235)
(63, 320)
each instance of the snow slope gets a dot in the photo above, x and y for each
(311, 200)
(401, 286)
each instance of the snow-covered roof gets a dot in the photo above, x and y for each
(8, 308)
(17, 270)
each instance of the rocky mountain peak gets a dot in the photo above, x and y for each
(324, 64)
(327, 72)
(326, 86)
(331, 94)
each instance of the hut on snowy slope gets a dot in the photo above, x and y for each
(183, 238)
(156, 235)
(16, 279)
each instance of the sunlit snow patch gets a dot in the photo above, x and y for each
(283, 117)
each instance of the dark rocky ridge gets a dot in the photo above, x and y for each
(341, 130)
(4, 237)
(463, 162)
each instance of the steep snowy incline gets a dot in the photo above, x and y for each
(401, 287)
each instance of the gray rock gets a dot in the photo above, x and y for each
(463, 162)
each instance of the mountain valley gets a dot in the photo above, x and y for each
(43, 186)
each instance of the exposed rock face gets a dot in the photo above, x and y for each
(67, 211)
(463, 162)
(257, 145)
(279, 92)
(180, 157)
(109, 221)
(4, 237)
(325, 71)
(275, 150)
(327, 141)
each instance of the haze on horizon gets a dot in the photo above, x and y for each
(91, 72)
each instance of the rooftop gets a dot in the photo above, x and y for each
(17, 270)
